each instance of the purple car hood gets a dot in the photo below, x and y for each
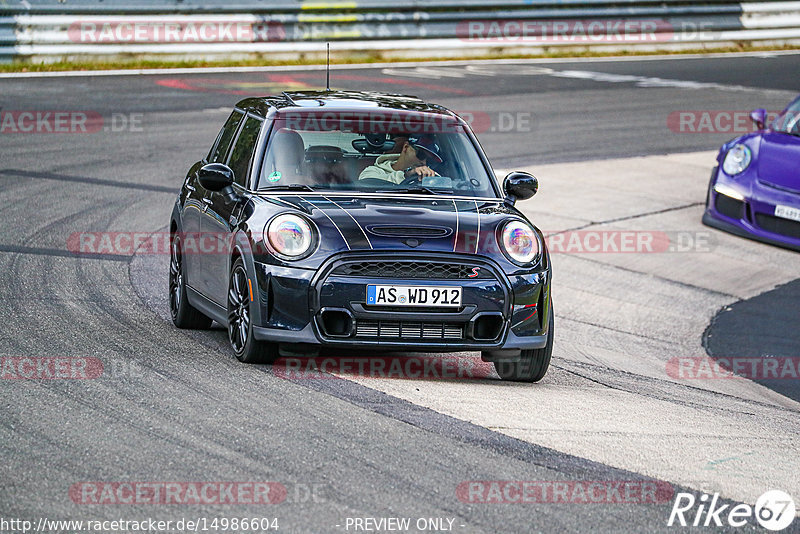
(778, 160)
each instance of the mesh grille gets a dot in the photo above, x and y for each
(402, 330)
(411, 269)
(778, 225)
(729, 207)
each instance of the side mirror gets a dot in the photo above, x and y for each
(215, 176)
(519, 186)
(759, 117)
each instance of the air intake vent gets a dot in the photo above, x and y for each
(778, 225)
(729, 207)
(398, 330)
(410, 231)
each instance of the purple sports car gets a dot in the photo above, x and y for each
(755, 188)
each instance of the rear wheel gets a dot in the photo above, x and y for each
(533, 364)
(184, 315)
(240, 326)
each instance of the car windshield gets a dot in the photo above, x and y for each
(396, 155)
(789, 120)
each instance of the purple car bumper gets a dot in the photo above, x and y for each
(746, 206)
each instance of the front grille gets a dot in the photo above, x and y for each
(403, 330)
(778, 225)
(729, 207)
(412, 270)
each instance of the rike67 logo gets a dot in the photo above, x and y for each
(774, 510)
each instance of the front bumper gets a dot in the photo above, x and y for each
(327, 307)
(752, 215)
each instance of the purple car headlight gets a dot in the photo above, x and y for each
(737, 160)
(519, 242)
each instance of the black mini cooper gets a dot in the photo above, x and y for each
(359, 220)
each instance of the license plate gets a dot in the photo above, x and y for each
(787, 212)
(449, 297)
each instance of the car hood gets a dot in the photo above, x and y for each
(408, 223)
(778, 161)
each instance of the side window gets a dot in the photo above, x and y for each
(242, 152)
(225, 137)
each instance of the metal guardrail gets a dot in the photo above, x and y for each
(252, 6)
(41, 30)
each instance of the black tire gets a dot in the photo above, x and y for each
(533, 364)
(184, 315)
(240, 328)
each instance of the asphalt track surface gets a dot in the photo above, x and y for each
(177, 406)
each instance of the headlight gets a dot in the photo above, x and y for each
(736, 160)
(290, 235)
(519, 242)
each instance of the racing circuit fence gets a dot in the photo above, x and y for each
(58, 30)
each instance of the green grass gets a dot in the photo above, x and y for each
(374, 58)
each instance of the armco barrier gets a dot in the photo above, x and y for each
(44, 31)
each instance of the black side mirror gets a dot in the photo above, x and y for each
(759, 117)
(215, 176)
(519, 186)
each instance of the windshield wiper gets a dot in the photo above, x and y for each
(287, 187)
(419, 189)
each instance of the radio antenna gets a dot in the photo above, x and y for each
(328, 70)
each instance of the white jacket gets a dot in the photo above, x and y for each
(382, 170)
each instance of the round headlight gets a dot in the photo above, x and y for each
(519, 242)
(290, 235)
(736, 160)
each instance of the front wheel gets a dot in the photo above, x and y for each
(240, 326)
(533, 364)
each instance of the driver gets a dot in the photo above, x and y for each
(410, 162)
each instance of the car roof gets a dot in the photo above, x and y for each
(341, 101)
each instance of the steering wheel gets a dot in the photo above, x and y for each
(411, 180)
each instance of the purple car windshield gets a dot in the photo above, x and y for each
(396, 155)
(789, 120)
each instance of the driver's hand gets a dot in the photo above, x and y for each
(422, 171)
